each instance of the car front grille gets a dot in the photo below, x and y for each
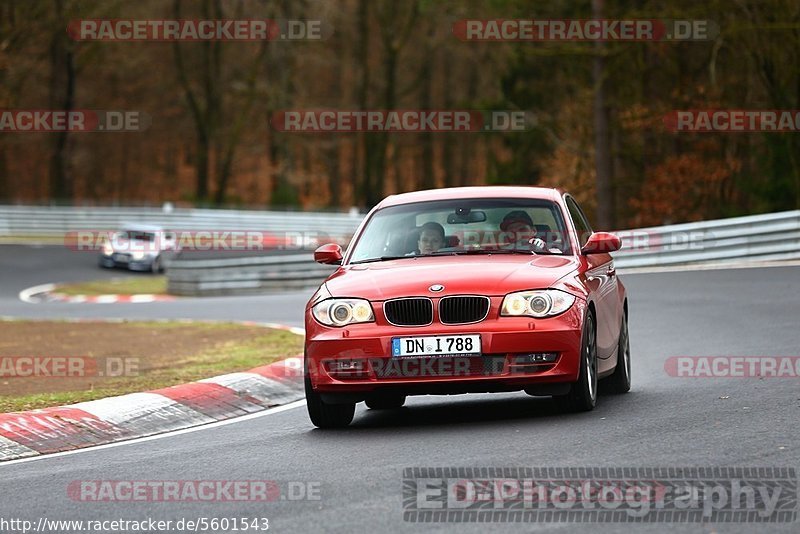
(409, 312)
(463, 309)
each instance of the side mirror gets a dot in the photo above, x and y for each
(330, 254)
(602, 242)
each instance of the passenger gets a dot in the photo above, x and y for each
(431, 238)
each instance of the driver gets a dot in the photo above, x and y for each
(431, 238)
(519, 225)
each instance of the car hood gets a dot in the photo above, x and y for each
(484, 275)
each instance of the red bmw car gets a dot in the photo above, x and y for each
(473, 289)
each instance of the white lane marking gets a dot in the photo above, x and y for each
(26, 295)
(271, 411)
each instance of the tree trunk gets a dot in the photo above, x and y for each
(201, 161)
(395, 35)
(62, 98)
(428, 167)
(382, 138)
(227, 154)
(468, 145)
(448, 139)
(363, 188)
(602, 144)
(205, 113)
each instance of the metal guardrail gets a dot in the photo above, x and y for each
(245, 275)
(56, 221)
(774, 236)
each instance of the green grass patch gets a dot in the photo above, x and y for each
(132, 285)
(166, 354)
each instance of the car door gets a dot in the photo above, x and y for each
(602, 281)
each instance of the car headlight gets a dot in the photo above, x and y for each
(138, 255)
(108, 250)
(540, 303)
(341, 312)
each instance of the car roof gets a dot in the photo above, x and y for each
(494, 191)
(142, 228)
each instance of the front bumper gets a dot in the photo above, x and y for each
(503, 341)
(127, 262)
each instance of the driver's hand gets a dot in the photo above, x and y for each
(537, 244)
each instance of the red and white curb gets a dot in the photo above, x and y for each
(138, 415)
(109, 299)
(49, 293)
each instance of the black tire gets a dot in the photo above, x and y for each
(386, 401)
(582, 396)
(156, 267)
(620, 381)
(327, 415)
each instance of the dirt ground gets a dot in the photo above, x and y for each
(71, 362)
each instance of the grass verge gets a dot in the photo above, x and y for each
(130, 285)
(119, 358)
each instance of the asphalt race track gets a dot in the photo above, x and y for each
(22, 267)
(663, 422)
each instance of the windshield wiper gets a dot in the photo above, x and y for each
(382, 258)
(483, 251)
(457, 253)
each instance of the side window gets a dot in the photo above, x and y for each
(579, 220)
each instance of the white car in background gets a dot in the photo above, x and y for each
(139, 248)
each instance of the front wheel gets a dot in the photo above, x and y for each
(327, 415)
(157, 267)
(582, 396)
(620, 381)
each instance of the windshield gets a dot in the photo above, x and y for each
(467, 226)
(135, 235)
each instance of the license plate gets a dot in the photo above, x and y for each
(456, 345)
(121, 258)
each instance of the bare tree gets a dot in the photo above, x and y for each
(602, 141)
(62, 97)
